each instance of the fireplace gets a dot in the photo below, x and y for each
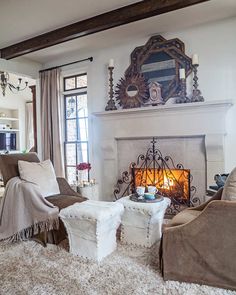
(152, 168)
(169, 182)
(192, 134)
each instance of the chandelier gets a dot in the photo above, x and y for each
(4, 83)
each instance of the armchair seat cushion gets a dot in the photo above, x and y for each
(184, 217)
(63, 201)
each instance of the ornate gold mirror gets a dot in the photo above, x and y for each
(132, 92)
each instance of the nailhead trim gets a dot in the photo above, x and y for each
(147, 238)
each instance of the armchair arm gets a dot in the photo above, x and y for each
(217, 196)
(204, 249)
(65, 188)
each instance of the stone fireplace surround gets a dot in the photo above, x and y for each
(193, 120)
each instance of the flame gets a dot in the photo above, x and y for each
(172, 182)
(167, 183)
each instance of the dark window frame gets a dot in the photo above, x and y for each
(76, 88)
(76, 118)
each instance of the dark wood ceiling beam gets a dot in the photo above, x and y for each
(108, 20)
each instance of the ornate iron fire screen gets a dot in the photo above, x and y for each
(172, 181)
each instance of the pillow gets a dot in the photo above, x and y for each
(42, 174)
(229, 191)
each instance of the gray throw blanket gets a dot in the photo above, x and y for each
(24, 212)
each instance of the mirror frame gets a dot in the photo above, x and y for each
(174, 48)
(126, 101)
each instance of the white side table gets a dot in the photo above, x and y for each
(142, 222)
(90, 192)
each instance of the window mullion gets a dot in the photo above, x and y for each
(76, 116)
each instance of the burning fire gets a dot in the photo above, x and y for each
(172, 182)
(168, 183)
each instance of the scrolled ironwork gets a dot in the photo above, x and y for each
(194, 201)
(154, 163)
(140, 158)
(180, 166)
(125, 176)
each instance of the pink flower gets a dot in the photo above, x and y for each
(83, 166)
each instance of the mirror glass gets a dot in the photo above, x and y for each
(160, 67)
(132, 90)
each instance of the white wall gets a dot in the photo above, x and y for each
(21, 66)
(216, 45)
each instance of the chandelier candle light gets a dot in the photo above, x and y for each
(183, 93)
(4, 82)
(111, 106)
(196, 95)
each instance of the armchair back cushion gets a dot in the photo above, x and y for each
(9, 164)
(229, 191)
(41, 174)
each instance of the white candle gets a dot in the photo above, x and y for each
(111, 63)
(182, 73)
(195, 60)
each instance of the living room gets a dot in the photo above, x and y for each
(133, 110)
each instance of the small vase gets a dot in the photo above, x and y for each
(81, 177)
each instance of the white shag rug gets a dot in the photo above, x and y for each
(28, 268)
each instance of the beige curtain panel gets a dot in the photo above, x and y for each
(29, 126)
(51, 119)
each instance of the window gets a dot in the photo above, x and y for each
(76, 124)
(75, 82)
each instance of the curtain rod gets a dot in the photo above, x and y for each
(70, 63)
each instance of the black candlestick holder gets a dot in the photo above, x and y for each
(197, 95)
(182, 98)
(111, 104)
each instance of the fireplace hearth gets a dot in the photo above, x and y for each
(152, 168)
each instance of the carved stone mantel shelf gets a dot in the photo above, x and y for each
(196, 106)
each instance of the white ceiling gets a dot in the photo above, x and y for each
(28, 23)
(23, 19)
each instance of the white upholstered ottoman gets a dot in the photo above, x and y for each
(141, 223)
(91, 227)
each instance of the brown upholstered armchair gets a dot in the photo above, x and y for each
(199, 246)
(67, 196)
